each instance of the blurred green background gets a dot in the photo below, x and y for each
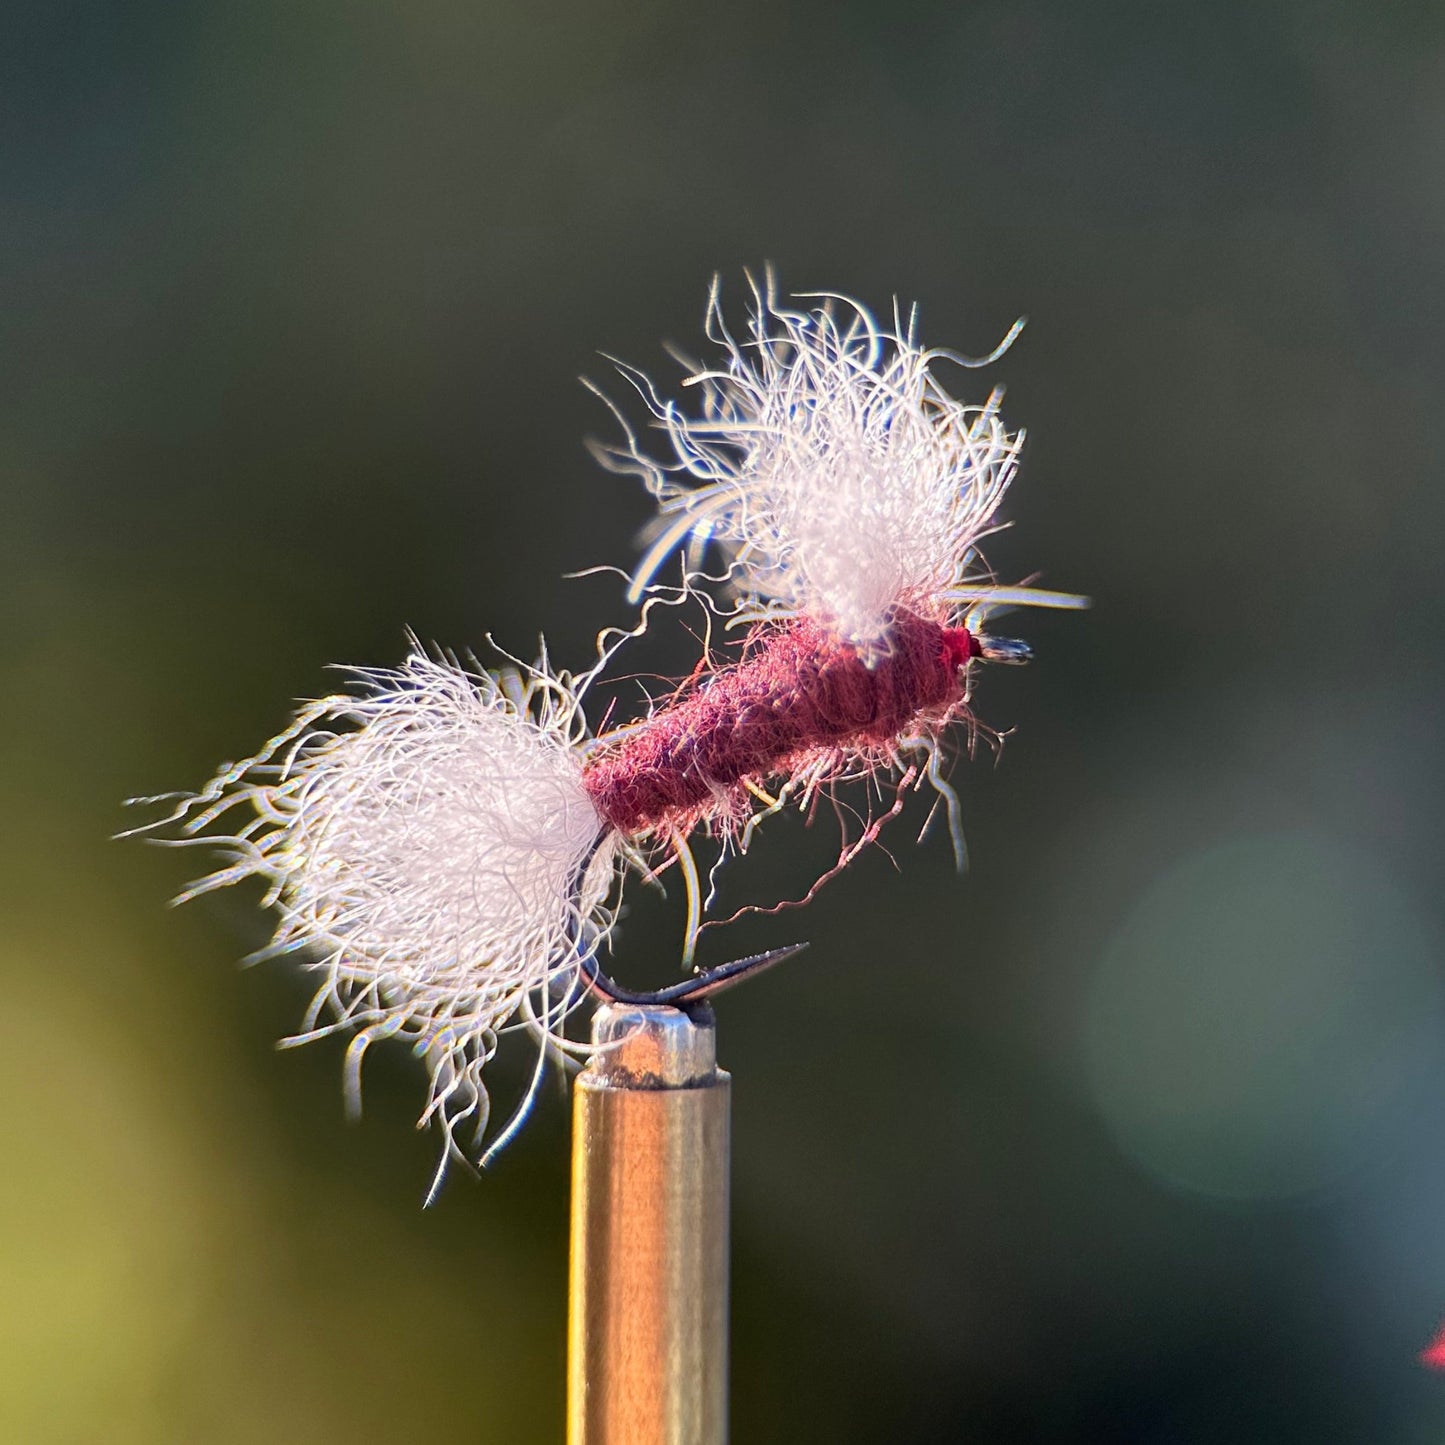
(1134, 1133)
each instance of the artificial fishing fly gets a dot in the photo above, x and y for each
(443, 845)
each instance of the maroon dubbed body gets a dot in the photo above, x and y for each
(801, 691)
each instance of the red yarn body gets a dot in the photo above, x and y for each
(801, 692)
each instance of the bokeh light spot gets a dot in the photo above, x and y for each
(1433, 1355)
(1261, 1016)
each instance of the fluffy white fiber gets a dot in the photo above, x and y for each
(828, 461)
(429, 847)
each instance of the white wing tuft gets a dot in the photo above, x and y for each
(837, 474)
(424, 842)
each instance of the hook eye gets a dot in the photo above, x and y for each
(1005, 649)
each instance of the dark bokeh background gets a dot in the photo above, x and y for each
(1133, 1134)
